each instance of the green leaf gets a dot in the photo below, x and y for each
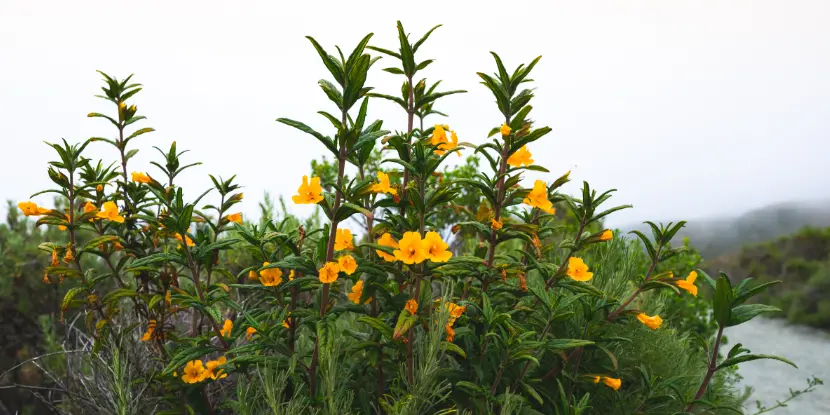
(72, 293)
(452, 347)
(563, 344)
(743, 313)
(750, 357)
(306, 129)
(378, 325)
(723, 300)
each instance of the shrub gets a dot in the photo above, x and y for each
(532, 311)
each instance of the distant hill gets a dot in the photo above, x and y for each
(720, 236)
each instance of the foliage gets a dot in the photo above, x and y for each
(801, 262)
(533, 311)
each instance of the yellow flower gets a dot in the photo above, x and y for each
(439, 135)
(89, 207)
(347, 264)
(450, 332)
(505, 129)
(652, 322)
(63, 227)
(328, 274)
(308, 193)
(411, 249)
(521, 157)
(148, 335)
(168, 298)
(436, 248)
(68, 257)
(357, 292)
(270, 277)
(538, 197)
(612, 383)
(249, 333)
(343, 240)
(110, 212)
(411, 306)
(235, 217)
(689, 283)
(448, 145)
(291, 275)
(226, 328)
(252, 275)
(606, 235)
(99, 188)
(140, 177)
(32, 209)
(387, 240)
(187, 239)
(496, 224)
(578, 270)
(210, 369)
(383, 185)
(194, 372)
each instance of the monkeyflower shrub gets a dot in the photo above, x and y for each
(525, 304)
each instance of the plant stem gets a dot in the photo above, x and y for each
(639, 289)
(713, 367)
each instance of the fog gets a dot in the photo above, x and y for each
(689, 108)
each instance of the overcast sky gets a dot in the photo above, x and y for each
(689, 108)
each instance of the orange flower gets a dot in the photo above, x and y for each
(252, 275)
(148, 335)
(194, 372)
(308, 193)
(110, 212)
(521, 157)
(68, 257)
(496, 224)
(55, 261)
(189, 241)
(435, 248)
(32, 209)
(411, 306)
(578, 270)
(612, 383)
(689, 283)
(448, 145)
(249, 333)
(439, 135)
(411, 249)
(234, 217)
(270, 277)
(606, 235)
(343, 240)
(538, 197)
(522, 282)
(99, 188)
(357, 292)
(89, 207)
(328, 274)
(347, 264)
(211, 366)
(387, 240)
(653, 322)
(450, 332)
(226, 328)
(140, 177)
(383, 185)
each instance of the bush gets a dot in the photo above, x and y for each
(531, 311)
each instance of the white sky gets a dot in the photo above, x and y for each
(689, 108)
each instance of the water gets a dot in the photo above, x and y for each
(771, 379)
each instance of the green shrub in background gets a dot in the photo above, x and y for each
(535, 309)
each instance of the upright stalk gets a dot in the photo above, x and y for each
(324, 298)
(410, 120)
(713, 367)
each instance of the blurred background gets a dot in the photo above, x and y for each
(713, 112)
